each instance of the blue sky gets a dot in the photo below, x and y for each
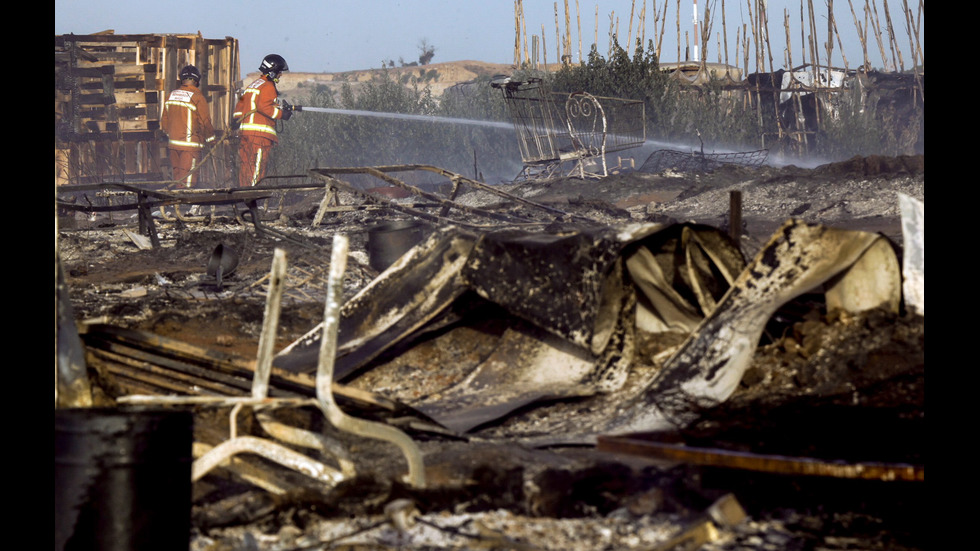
(342, 35)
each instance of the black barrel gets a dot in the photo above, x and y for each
(387, 242)
(122, 478)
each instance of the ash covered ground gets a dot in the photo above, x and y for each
(845, 387)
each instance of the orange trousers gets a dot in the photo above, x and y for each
(183, 163)
(253, 152)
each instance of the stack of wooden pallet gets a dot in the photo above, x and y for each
(109, 94)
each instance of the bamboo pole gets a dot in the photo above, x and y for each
(789, 66)
(906, 14)
(918, 46)
(595, 29)
(764, 26)
(755, 43)
(862, 36)
(568, 33)
(738, 44)
(517, 34)
(544, 49)
(629, 31)
(642, 27)
(557, 37)
(663, 24)
(802, 35)
(876, 27)
(724, 34)
(705, 34)
(841, 45)
(745, 46)
(830, 34)
(814, 50)
(527, 58)
(612, 34)
(697, 40)
(892, 40)
(678, 30)
(915, 46)
(815, 59)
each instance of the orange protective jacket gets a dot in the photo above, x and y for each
(187, 119)
(258, 109)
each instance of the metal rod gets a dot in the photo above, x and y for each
(270, 325)
(269, 450)
(325, 368)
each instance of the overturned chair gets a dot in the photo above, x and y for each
(210, 458)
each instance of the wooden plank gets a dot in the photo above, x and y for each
(124, 84)
(131, 125)
(115, 57)
(104, 39)
(96, 71)
(99, 136)
(133, 98)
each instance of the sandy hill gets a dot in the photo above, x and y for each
(446, 75)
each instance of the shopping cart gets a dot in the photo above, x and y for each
(569, 134)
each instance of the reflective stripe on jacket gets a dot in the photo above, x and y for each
(186, 119)
(258, 109)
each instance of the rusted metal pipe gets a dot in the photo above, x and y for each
(715, 457)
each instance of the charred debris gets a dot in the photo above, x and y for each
(499, 340)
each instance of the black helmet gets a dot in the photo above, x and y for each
(273, 64)
(190, 72)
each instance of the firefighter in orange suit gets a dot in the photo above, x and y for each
(186, 121)
(256, 113)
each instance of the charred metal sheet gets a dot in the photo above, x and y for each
(72, 387)
(709, 365)
(681, 272)
(530, 364)
(573, 302)
(408, 295)
(874, 281)
(768, 463)
(567, 282)
(913, 260)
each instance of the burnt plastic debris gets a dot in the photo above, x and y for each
(122, 478)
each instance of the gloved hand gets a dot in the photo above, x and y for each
(235, 123)
(287, 110)
(161, 135)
